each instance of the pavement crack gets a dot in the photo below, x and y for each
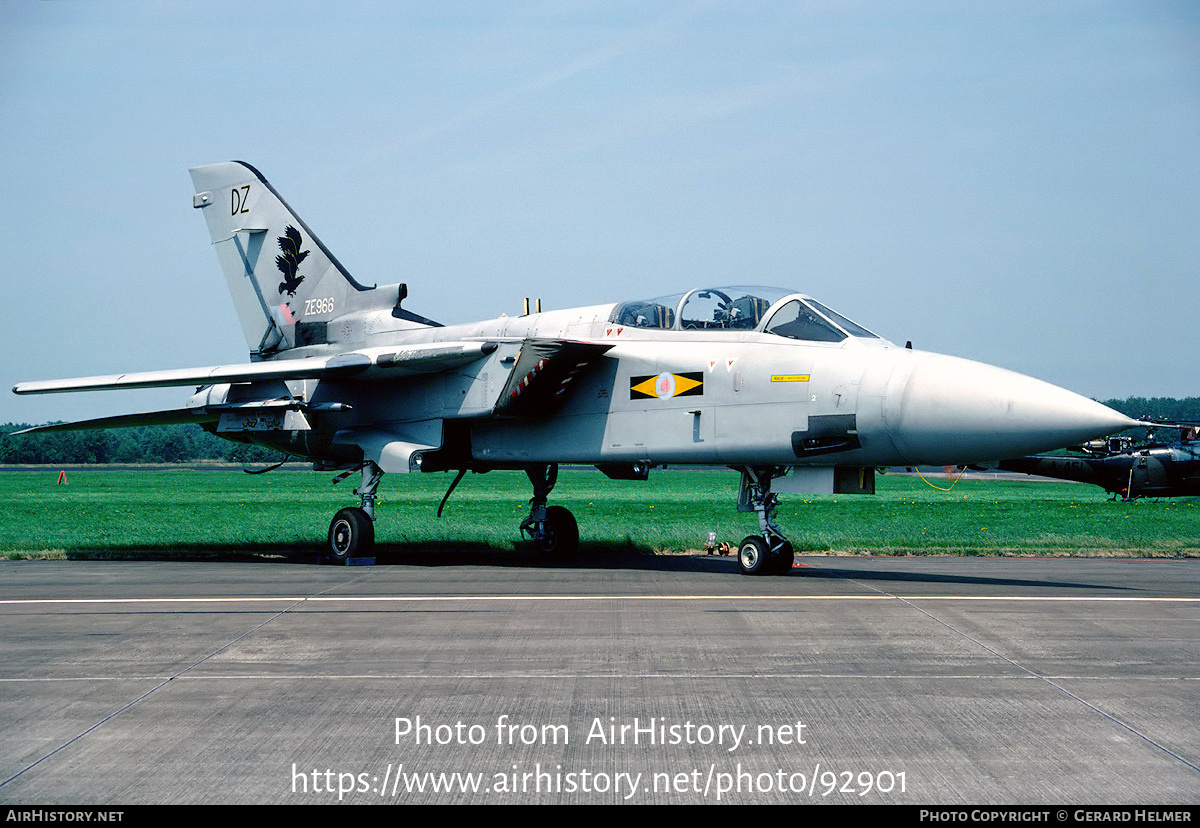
(178, 674)
(1032, 673)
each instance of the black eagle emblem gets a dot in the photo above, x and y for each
(289, 262)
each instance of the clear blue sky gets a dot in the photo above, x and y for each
(1017, 182)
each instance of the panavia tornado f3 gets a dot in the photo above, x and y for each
(790, 393)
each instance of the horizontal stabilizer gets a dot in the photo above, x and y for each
(174, 416)
(373, 363)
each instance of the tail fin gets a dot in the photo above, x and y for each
(279, 273)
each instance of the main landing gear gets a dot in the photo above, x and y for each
(352, 531)
(552, 529)
(770, 553)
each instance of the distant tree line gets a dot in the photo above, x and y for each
(149, 444)
(190, 443)
(1159, 408)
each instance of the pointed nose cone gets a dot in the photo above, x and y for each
(958, 411)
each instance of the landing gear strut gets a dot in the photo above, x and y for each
(770, 553)
(352, 531)
(552, 529)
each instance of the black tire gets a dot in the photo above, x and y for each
(754, 556)
(561, 538)
(351, 534)
(782, 559)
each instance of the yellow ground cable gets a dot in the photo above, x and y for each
(961, 472)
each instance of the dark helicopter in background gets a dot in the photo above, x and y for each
(1153, 469)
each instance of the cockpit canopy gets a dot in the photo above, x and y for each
(741, 308)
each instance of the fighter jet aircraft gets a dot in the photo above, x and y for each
(1156, 469)
(790, 393)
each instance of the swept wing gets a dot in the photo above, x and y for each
(373, 364)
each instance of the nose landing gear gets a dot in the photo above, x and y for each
(770, 553)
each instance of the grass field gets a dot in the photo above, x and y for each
(179, 513)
